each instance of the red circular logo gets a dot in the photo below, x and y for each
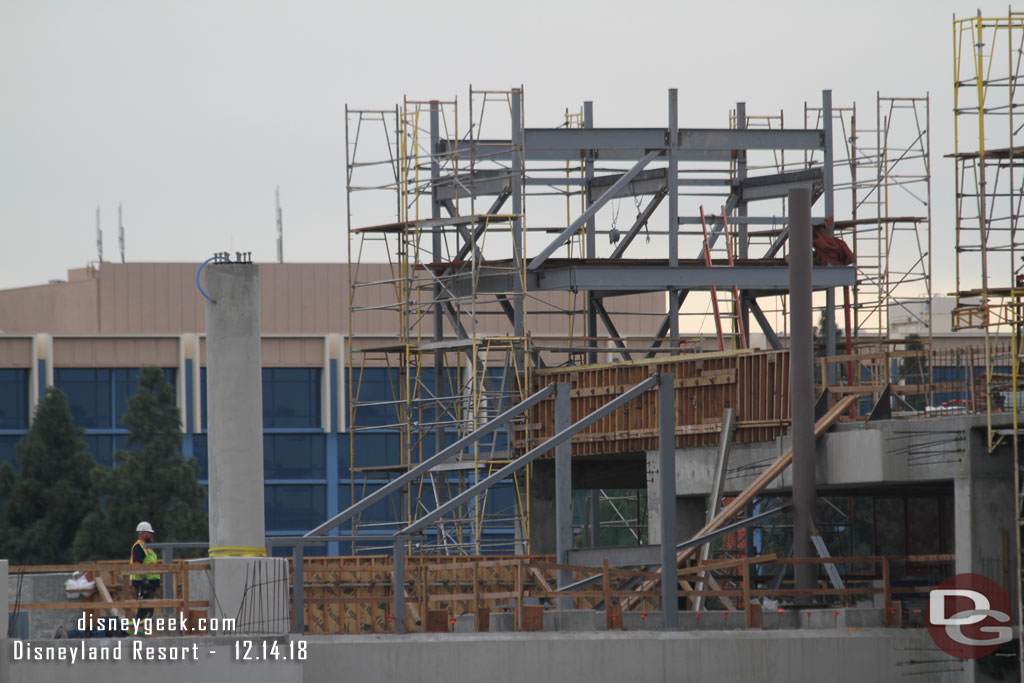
(969, 616)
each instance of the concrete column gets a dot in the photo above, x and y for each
(801, 381)
(234, 409)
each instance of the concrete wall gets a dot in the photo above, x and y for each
(875, 655)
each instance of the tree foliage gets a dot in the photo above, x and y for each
(150, 481)
(46, 499)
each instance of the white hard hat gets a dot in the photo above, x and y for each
(144, 526)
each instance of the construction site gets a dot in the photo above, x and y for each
(548, 406)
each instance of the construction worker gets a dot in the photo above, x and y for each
(145, 587)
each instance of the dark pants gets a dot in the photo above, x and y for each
(145, 590)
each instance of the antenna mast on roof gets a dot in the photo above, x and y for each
(99, 236)
(280, 225)
(120, 232)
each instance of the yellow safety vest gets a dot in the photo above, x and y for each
(150, 558)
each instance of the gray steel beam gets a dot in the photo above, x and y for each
(650, 181)
(718, 486)
(631, 278)
(563, 488)
(528, 457)
(777, 186)
(479, 183)
(518, 234)
(478, 231)
(610, 326)
(762, 320)
(779, 241)
(801, 369)
(398, 584)
(830, 295)
(432, 462)
(673, 209)
(698, 540)
(634, 279)
(591, 229)
(298, 591)
(640, 222)
(667, 492)
(590, 211)
(630, 144)
(436, 235)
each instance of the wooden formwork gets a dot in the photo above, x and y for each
(754, 384)
(354, 594)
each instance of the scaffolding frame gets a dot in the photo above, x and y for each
(458, 279)
(988, 150)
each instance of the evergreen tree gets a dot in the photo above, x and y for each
(152, 481)
(46, 499)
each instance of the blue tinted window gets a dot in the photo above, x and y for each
(126, 385)
(291, 397)
(372, 449)
(377, 386)
(89, 395)
(292, 507)
(387, 510)
(8, 452)
(200, 454)
(294, 456)
(101, 447)
(13, 398)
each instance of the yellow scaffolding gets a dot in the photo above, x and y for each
(988, 68)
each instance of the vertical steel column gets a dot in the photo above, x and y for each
(742, 245)
(563, 489)
(594, 505)
(518, 241)
(298, 590)
(435, 257)
(590, 232)
(398, 584)
(667, 495)
(673, 210)
(830, 213)
(801, 372)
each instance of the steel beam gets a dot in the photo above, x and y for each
(667, 492)
(632, 279)
(762, 320)
(717, 486)
(630, 144)
(640, 222)
(528, 457)
(801, 369)
(563, 488)
(398, 584)
(696, 541)
(430, 463)
(612, 330)
(590, 211)
(673, 210)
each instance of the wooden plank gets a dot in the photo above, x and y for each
(101, 588)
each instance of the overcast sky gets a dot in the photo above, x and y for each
(190, 113)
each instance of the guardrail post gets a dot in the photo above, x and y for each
(887, 587)
(748, 608)
(298, 591)
(398, 584)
